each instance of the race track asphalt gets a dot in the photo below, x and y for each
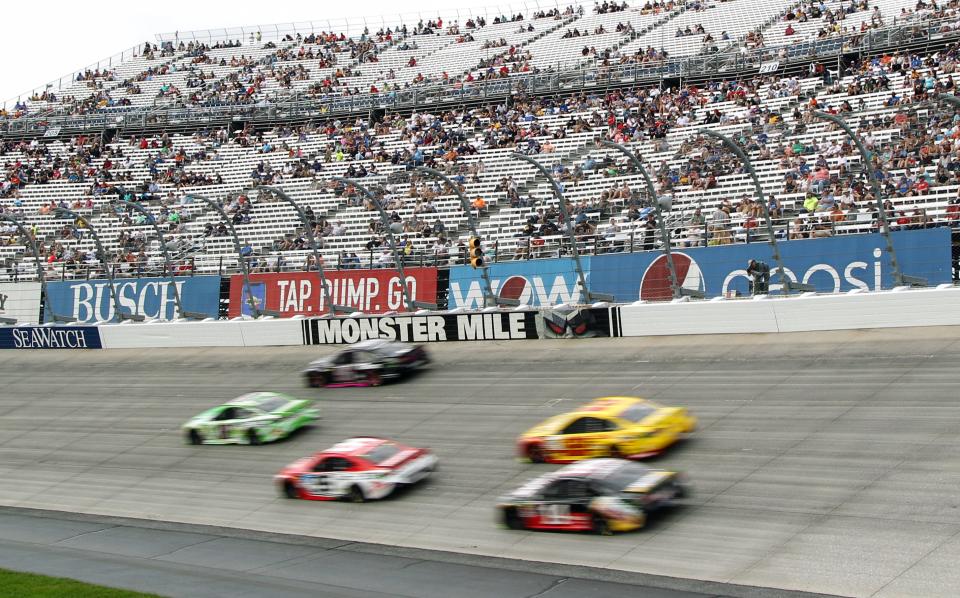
(825, 462)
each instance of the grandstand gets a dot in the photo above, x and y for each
(219, 115)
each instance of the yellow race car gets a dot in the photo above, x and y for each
(627, 427)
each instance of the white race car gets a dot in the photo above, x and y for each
(357, 469)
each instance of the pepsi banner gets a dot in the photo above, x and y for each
(91, 301)
(535, 283)
(50, 337)
(831, 265)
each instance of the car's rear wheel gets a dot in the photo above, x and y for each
(316, 379)
(289, 490)
(614, 452)
(374, 378)
(535, 453)
(253, 438)
(601, 526)
(356, 495)
(512, 519)
(194, 437)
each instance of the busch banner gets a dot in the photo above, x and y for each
(20, 300)
(299, 293)
(90, 300)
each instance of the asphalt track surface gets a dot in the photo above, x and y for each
(825, 462)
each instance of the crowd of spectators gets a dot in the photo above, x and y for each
(913, 153)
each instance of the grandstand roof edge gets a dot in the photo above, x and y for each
(376, 20)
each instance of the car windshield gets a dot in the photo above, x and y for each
(625, 475)
(382, 453)
(638, 412)
(272, 404)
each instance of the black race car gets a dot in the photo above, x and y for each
(369, 363)
(598, 495)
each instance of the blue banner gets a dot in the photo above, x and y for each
(90, 300)
(831, 265)
(533, 283)
(50, 337)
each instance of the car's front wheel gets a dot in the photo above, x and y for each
(289, 490)
(253, 438)
(535, 453)
(194, 437)
(374, 378)
(317, 379)
(512, 519)
(601, 526)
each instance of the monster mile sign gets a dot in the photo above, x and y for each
(422, 329)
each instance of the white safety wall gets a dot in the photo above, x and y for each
(891, 309)
(20, 300)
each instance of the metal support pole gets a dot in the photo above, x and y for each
(676, 290)
(899, 278)
(786, 284)
(308, 229)
(166, 254)
(385, 219)
(490, 298)
(102, 256)
(40, 276)
(569, 226)
(244, 267)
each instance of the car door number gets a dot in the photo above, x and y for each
(317, 484)
(555, 514)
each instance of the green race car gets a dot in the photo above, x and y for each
(254, 418)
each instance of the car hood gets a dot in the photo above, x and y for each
(546, 427)
(320, 363)
(202, 418)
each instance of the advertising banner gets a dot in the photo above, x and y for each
(831, 265)
(516, 325)
(20, 300)
(299, 293)
(534, 283)
(49, 337)
(90, 300)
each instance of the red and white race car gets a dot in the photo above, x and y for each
(357, 469)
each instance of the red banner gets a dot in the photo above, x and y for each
(299, 293)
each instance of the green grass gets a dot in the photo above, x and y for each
(14, 584)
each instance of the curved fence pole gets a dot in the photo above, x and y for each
(676, 290)
(899, 278)
(490, 298)
(163, 247)
(244, 267)
(397, 258)
(786, 284)
(40, 275)
(102, 256)
(308, 230)
(568, 224)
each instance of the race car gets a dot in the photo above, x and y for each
(357, 469)
(598, 495)
(253, 418)
(366, 364)
(627, 427)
